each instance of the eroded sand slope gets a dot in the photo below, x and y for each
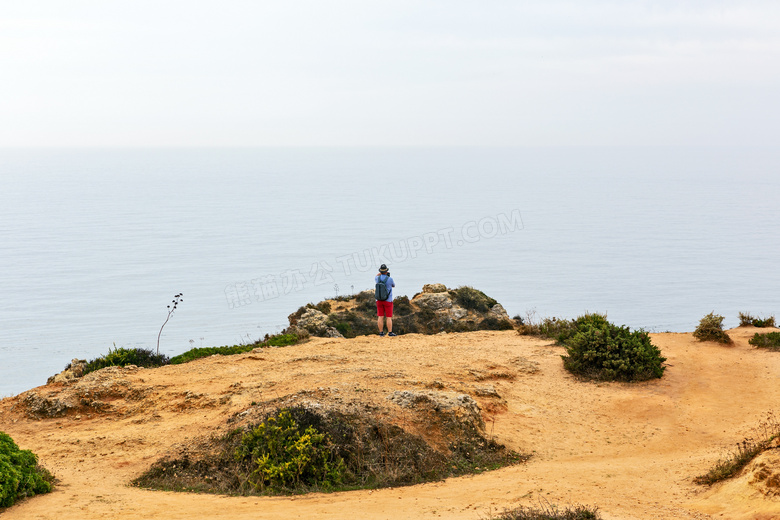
(631, 450)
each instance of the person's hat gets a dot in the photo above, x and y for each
(383, 268)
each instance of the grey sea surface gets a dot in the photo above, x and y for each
(94, 243)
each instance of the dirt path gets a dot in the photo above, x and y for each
(631, 450)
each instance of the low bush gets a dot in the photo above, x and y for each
(495, 323)
(402, 306)
(472, 299)
(602, 351)
(770, 340)
(551, 328)
(766, 432)
(550, 512)
(365, 302)
(563, 330)
(277, 340)
(711, 329)
(20, 474)
(301, 449)
(746, 319)
(281, 455)
(353, 323)
(120, 357)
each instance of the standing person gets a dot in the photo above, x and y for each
(384, 300)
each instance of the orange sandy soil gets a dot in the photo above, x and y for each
(630, 449)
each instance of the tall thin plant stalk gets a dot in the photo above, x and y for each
(177, 299)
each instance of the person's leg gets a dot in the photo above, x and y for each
(380, 313)
(389, 314)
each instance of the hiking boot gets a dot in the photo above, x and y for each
(382, 333)
(392, 334)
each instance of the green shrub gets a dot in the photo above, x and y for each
(770, 340)
(563, 330)
(711, 329)
(402, 306)
(473, 299)
(494, 323)
(284, 456)
(746, 319)
(120, 357)
(559, 329)
(323, 307)
(365, 303)
(20, 474)
(345, 329)
(353, 323)
(602, 351)
(551, 328)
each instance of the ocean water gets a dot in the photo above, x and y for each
(95, 243)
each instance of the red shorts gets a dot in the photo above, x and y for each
(384, 309)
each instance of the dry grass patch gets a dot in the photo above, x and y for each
(746, 450)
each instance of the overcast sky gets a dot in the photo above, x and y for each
(491, 72)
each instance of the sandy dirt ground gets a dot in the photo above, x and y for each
(630, 449)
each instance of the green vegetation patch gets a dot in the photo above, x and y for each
(20, 474)
(551, 328)
(550, 512)
(281, 340)
(303, 449)
(745, 319)
(201, 352)
(278, 340)
(472, 299)
(120, 357)
(711, 329)
(280, 454)
(599, 350)
(770, 340)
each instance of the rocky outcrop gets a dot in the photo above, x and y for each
(73, 371)
(451, 405)
(40, 406)
(315, 322)
(433, 301)
(97, 392)
(436, 309)
(499, 312)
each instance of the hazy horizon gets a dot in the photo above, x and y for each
(246, 74)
